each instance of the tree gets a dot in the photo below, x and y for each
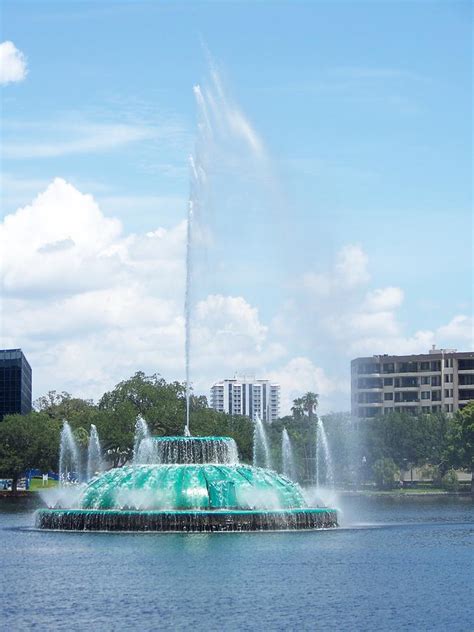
(385, 471)
(28, 441)
(62, 405)
(161, 404)
(459, 452)
(305, 406)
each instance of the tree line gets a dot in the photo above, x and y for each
(360, 451)
(32, 440)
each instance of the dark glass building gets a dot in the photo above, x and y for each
(15, 383)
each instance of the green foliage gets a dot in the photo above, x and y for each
(409, 440)
(32, 441)
(450, 481)
(28, 441)
(385, 471)
(305, 406)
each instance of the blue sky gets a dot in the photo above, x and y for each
(364, 110)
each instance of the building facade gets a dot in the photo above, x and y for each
(440, 380)
(247, 396)
(15, 383)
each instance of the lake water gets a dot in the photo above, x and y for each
(396, 564)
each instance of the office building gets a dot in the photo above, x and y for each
(440, 380)
(15, 383)
(247, 396)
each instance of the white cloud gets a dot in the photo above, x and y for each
(352, 266)
(301, 375)
(387, 298)
(350, 272)
(349, 318)
(12, 64)
(91, 305)
(460, 328)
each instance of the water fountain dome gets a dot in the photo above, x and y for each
(189, 484)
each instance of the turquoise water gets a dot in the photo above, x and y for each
(396, 564)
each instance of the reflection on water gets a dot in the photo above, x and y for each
(397, 563)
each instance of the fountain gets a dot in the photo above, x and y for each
(288, 460)
(323, 456)
(261, 449)
(196, 484)
(69, 459)
(95, 464)
(190, 483)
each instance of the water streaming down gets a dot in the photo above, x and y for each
(261, 449)
(95, 463)
(323, 456)
(69, 457)
(287, 456)
(143, 445)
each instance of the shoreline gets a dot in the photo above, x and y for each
(397, 493)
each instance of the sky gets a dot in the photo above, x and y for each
(335, 215)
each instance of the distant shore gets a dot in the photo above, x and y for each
(22, 493)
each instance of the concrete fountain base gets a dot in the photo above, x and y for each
(185, 521)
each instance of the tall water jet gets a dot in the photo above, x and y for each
(69, 458)
(95, 464)
(143, 445)
(288, 460)
(197, 180)
(261, 449)
(323, 456)
(187, 306)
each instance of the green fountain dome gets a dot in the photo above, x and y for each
(194, 487)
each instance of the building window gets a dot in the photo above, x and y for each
(425, 379)
(425, 395)
(436, 380)
(424, 366)
(388, 367)
(408, 367)
(388, 381)
(388, 396)
(409, 382)
(466, 364)
(448, 377)
(466, 393)
(448, 392)
(436, 396)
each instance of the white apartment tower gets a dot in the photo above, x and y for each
(247, 396)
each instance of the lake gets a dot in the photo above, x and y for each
(396, 563)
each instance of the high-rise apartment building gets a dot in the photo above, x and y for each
(441, 380)
(15, 383)
(247, 396)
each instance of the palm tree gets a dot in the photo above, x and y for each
(310, 403)
(305, 406)
(297, 410)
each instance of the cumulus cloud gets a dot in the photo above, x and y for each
(351, 318)
(301, 375)
(350, 271)
(91, 305)
(13, 66)
(461, 327)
